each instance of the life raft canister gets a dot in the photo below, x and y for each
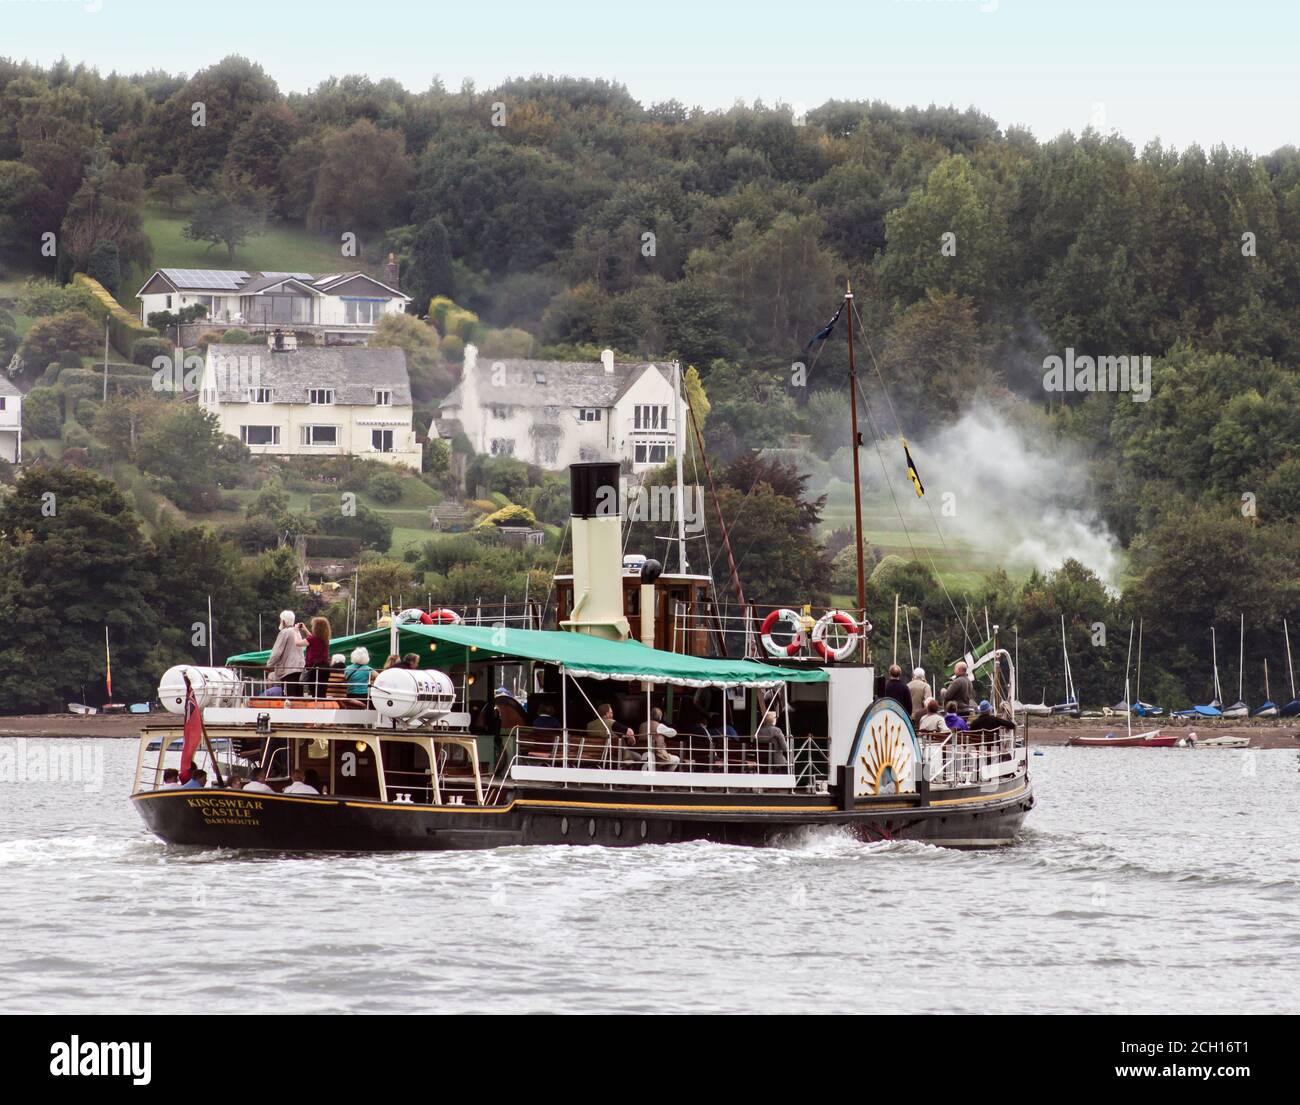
(794, 618)
(845, 650)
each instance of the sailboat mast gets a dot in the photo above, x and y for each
(1214, 653)
(1290, 669)
(1139, 683)
(678, 441)
(857, 442)
(1128, 702)
(1241, 660)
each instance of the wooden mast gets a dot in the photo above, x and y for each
(857, 442)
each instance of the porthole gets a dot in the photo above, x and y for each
(564, 826)
(645, 830)
(591, 827)
(618, 828)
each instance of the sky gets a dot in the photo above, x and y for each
(1182, 71)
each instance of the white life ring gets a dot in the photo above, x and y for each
(844, 651)
(794, 618)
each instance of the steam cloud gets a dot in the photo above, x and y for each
(1022, 494)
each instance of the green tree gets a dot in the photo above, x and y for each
(181, 447)
(419, 341)
(362, 181)
(49, 337)
(106, 210)
(228, 214)
(73, 562)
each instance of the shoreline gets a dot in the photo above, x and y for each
(1047, 732)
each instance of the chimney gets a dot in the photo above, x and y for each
(607, 359)
(596, 525)
(392, 271)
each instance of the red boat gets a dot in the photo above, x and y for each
(1153, 739)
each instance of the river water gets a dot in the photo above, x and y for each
(1148, 880)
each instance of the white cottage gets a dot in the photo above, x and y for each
(555, 413)
(11, 421)
(313, 401)
(338, 306)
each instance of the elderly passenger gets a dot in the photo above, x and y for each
(286, 662)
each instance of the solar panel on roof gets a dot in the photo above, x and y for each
(217, 279)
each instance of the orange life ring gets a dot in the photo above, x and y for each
(765, 632)
(441, 617)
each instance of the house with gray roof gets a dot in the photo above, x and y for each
(288, 399)
(555, 413)
(338, 306)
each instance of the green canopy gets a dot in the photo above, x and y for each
(444, 646)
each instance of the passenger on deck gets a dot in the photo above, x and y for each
(317, 672)
(359, 673)
(299, 785)
(197, 781)
(920, 693)
(717, 729)
(338, 660)
(171, 779)
(960, 693)
(411, 660)
(899, 691)
(987, 720)
(285, 663)
(393, 661)
(604, 727)
(932, 721)
(955, 722)
(545, 718)
(257, 783)
(771, 739)
(655, 732)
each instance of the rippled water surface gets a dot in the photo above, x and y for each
(1148, 880)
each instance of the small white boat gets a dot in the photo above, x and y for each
(1227, 741)
(81, 708)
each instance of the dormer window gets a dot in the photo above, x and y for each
(383, 397)
(259, 395)
(320, 396)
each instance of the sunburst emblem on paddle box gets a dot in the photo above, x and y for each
(885, 755)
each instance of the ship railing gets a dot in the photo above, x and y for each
(694, 752)
(712, 627)
(510, 615)
(158, 753)
(302, 687)
(966, 758)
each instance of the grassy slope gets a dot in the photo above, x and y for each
(283, 248)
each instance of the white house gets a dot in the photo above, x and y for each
(313, 400)
(11, 421)
(553, 413)
(340, 306)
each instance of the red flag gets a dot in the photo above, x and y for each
(108, 666)
(193, 731)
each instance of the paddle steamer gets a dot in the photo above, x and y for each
(445, 757)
